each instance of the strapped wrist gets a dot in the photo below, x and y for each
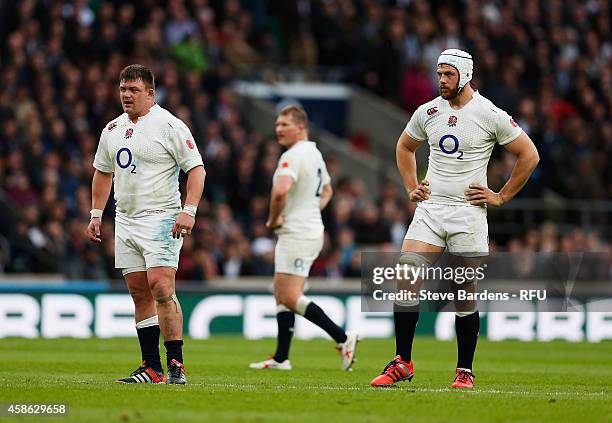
(190, 210)
(96, 213)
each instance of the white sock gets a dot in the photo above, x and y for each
(302, 304)
(151, 321)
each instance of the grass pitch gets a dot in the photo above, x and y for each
(526, 382)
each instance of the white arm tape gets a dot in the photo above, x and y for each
(96, 213)
(190, 210)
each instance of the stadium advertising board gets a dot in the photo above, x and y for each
(107, 315)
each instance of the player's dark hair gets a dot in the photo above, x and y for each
(298, 114)
(136, 72)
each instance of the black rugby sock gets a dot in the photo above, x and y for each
(405, 320)
(315, 314)
(286, 321)
(174, 350)
(149, 346)
(467, 329)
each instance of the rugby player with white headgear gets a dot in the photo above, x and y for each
(461, 127)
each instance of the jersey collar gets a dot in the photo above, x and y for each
(152, 110)
(475, 96)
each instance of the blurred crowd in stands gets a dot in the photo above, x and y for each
(548, 63)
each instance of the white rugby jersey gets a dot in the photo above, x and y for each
(302, 213)
(145, 158)
(460, 143)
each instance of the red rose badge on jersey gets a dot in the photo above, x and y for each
(128, 133)
(190, 144)
(452, 121)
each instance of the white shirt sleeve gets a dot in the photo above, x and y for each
(325, 178)
(415, 128)
(182, 146)
(506, 129)
(102, 160)
(289, 164)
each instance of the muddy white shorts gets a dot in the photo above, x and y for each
(462, 229)
(144, 242)
(294, 256)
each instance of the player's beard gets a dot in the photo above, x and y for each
(450, 93)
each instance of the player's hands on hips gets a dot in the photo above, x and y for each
(276, 224)
(93, 229)
(183, 225)
(479, 196)
(421, 192)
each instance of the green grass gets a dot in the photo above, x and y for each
(526, 382)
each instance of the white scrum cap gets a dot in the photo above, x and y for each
(460, 60)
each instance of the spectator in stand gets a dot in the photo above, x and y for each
(550, 61)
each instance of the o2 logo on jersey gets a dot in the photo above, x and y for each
(449, 144)
(124, 159)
